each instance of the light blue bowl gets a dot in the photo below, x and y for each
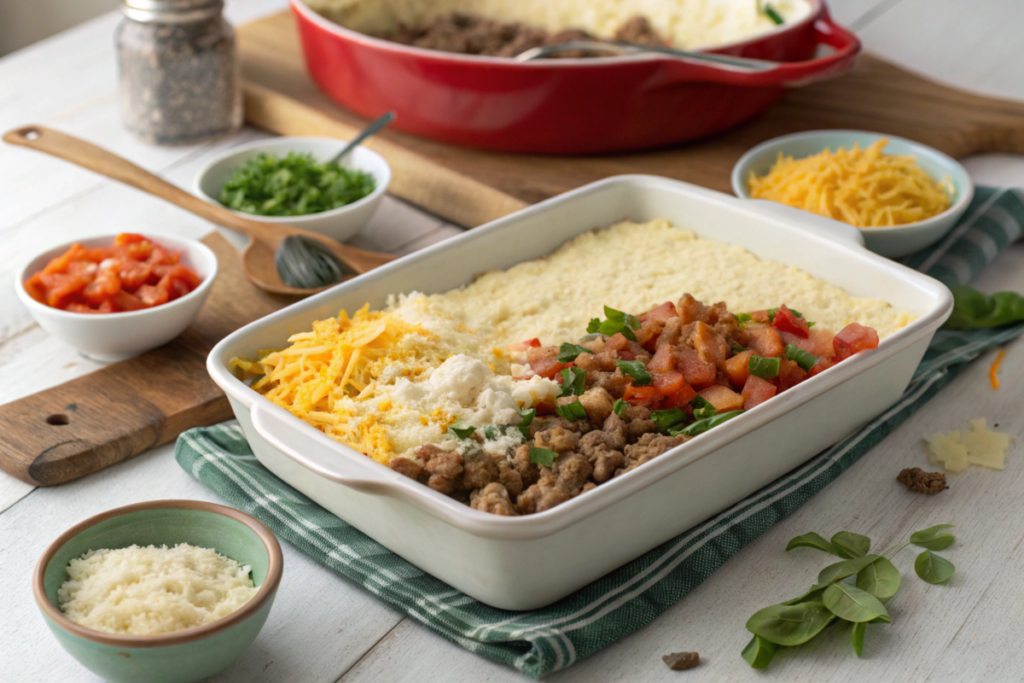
(182, 656)
(892, 242)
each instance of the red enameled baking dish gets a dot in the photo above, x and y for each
(564, 106)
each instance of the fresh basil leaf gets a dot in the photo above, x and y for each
(880, 578)
(567, 353)
(790, 624)
(702, 408)
(972, 309)
(573, 380)
(736, 348)
(851, 545)
(542, 456)
(701, 426)
(667, 419)
(619, 407)
(617, 323)
(765, 368)
(618, 316)
(461, 429)
(812, 540)
(858, 637)
(932, 568)
(571, 411)
(636, 370)
(804, 359)
(812, 595)
(852, 604)
(933, 538)
(841, 570)
(759, 652)
(525, 421)
(742, 318)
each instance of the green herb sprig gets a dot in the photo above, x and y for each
(616, 322)
(853, 590)
(567, 353)
(573, 381)
(636, 370)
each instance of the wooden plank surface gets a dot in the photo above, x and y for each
(323, 626)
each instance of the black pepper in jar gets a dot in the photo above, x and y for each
(179, 81)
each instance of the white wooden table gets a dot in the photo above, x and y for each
(323, 628)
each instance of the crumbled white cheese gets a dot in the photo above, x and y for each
(145, 591)
(978, 446)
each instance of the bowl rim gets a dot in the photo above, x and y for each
(34, 306)
(378, 191)
(817, 8)
(188, 635)
(962, 200)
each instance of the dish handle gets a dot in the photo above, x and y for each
(837, 231)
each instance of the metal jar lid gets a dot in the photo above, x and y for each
(171, 11)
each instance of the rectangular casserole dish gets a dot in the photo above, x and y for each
(526, 562)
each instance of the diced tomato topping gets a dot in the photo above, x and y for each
(788, 321)
(639, 395)
(546, 408)
(523, 345)
(818, 342)
(617, 342)
(852, 339)
(790, 374)
(547, 367)
(666, 383)
(679, 399)
(722, 398)
(626, 355)
(738, 368)
(766, 341)
(697, 372)
(664, 359)
(756, 391)
(660, 313)
(822, 365)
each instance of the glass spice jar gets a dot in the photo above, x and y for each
(179, 80)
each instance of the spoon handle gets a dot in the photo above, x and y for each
(99, 160)
(372, 129)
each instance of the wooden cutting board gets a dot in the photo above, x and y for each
(874, 96)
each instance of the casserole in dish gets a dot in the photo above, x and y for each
(565, 106)
(527, 562)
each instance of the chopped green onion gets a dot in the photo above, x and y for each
(701, 426)
(771, 314)
(810, 324)
(461, 430)
(736, 348)
(571, 411)
(572, 381)
(765, 368)
(527, 419)
(743, 318)
(667, 419)
(702, 408)
(619, 406)
(636, 370)
(542, 456)
(796, 313)
(803, 358)
(773, 15)
(567, 353)
(617, 322)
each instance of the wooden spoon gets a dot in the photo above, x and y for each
(257, 259)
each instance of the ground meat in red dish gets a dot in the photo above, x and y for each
(679, 369)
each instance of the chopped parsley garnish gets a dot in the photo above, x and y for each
(619, 406)
(773, 15)
(803, 358)
(616, 322)
(765, 368)
(571, 411)
(636, 370)
(461, 430)
(294, 185)
(701, 426)
(667, 419)
(572, 381)
(567, 353)
(527, 419)
(542, 456)
(702, 408)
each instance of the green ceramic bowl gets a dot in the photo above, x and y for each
(895, 241)
(182, 656)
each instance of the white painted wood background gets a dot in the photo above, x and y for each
(323, 628)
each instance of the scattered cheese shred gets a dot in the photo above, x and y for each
(993, 371)
(862, 187)
(978, 446)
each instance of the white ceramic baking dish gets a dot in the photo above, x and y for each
(527, 562)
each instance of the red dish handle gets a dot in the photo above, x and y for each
(791, 74)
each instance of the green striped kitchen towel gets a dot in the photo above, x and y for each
(632, 596)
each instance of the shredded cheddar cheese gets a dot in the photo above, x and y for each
(862, 187)
(993, 371)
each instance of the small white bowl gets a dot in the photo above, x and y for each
(892, 242)
(110, 337)
(341, 223)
